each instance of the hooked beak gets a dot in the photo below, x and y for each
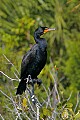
(49, 29)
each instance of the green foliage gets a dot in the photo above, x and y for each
(18, 20)
(45, 112)
(72, 69)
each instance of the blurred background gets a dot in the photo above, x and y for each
(18, 21)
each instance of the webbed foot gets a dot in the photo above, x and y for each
(39, 81)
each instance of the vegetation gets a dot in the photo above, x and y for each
(60, 91)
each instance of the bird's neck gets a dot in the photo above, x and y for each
(40, 41)
(37, 37)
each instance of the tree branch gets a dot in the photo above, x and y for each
(8, 76)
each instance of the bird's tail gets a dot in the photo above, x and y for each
(21, 87)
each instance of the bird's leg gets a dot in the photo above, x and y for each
(32, 95)
(30, 80)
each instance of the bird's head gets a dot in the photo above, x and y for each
(41, 30)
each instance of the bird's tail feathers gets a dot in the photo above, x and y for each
(21, 87)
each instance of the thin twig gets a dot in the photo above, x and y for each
(55, 93)
(8, 76)
(5, 95)
(55, 84)
(11, 63)
(11, 99)
(1, 117)
(69, 96)
(30, 103)
(37, 106)
(24, 114)
(17, 76)
(77, 102)
(48, 96)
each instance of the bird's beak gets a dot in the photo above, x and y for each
(49, 29)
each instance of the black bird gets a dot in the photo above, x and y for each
(34, 60)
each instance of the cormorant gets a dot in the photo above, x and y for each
(34, 60)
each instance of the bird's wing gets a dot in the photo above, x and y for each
(27, 59)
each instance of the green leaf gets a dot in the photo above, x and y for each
(46, 111)
(24, 103)
(69, 105)
(65, 114)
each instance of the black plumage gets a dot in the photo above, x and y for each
(34, 60)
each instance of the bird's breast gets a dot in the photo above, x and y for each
(40, 61)
(41, 55)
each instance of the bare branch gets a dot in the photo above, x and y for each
(77, 102)
(8, 76)
(1, 117)
(37, 106)
(69, 96)
(5, 95)
(48, 96)
(14, 104)
(16, 76)
(30, 103)
(11, 64)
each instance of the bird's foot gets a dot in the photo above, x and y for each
(33, 81)
(30, 81)
(39, 81)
